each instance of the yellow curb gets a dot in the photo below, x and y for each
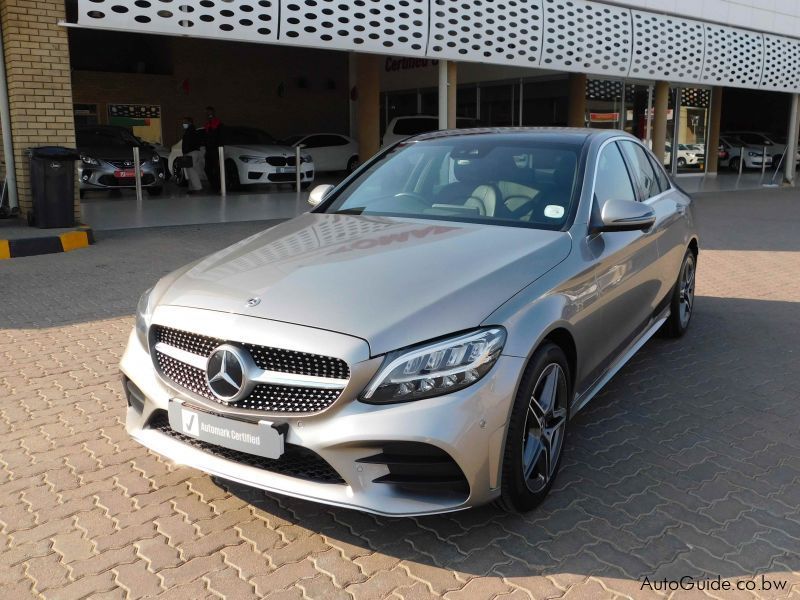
(5, 251)
(73, 240)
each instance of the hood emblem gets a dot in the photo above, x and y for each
(226, 374)
(253, 302)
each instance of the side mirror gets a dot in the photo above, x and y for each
(318, 194)
(625, 215)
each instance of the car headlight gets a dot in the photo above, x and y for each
(155, 158)
(246, 158)
(306, 158)
(143, 310)
(754, 154)
(88, 160)
(435, 368)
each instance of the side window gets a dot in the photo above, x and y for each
(642, 169)
(612, 181)
(663, 180)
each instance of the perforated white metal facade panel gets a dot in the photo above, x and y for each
(588, 37)
(246, 20)
(564, 35)
(733, 57)
(391, 27)
(781, 63)
(505, 32)
(667, 48)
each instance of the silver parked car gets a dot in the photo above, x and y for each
(107, 161)
(419, 341)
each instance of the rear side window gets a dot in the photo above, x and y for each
(414, 126)
(642, 169)
(612, 181)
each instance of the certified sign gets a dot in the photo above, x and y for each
(261, 438)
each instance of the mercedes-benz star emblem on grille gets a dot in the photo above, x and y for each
(253, 302)
(226, 373)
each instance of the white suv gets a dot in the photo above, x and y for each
(400, 128)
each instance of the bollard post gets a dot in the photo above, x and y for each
(137, 173)
(763, 161)
(741, 159)
(297, 177)
(223, 184)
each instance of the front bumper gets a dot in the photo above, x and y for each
(253, 173)
(468, 425)
(103, 176)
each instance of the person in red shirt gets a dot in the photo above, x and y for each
(213, 142)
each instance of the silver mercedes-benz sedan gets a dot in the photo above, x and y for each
(419, 341)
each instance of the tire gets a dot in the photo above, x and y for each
(232, 181)
(155, 191)
(165, 167)
(682, 302)
(733, 165)
(526, 438)
(179, 176)
(681, 162)
(352, 164)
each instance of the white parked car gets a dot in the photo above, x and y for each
(329, 151)
(253, 156)
(762, 140)
(400, 128)
(687, 156)
(730, 150)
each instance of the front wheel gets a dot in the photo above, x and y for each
(733, 165)
(681, 162)
(536, 431)
(682, 302)
(232, 181)
(352, 164)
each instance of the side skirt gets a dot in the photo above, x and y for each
(598, 385)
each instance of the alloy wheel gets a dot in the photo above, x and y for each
(543, 434)
(687, 292)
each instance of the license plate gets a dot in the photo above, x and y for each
(261, 438)
(126, 174)
(286, 169)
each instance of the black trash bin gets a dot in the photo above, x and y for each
(52, 186)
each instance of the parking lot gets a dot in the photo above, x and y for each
(688, 465)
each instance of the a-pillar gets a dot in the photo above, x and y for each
(368, 109)
(452, 93)
(712, 155)
(660, 104)
(577, 100)
(37, 63)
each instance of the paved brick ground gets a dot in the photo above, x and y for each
(689, 463)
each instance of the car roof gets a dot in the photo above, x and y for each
(573, 134)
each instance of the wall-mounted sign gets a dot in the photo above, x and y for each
(144, 120)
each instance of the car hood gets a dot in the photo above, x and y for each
(390, 281)
(259, 149)
(115, 152)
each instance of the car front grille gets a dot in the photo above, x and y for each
(265, 396)
(282, 161)
(296, 461)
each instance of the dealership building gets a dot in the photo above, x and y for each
(672, 72)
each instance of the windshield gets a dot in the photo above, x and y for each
(105, 138)
(246, 135)
(497, 179)
(291, 141)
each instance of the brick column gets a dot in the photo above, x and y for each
(39, 85)
(712, 146)
(660, 107)
(368, 109)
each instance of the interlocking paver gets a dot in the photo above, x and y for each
(687, 464)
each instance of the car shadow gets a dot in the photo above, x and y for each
(686, 464)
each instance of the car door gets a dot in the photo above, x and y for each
(626, 262)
